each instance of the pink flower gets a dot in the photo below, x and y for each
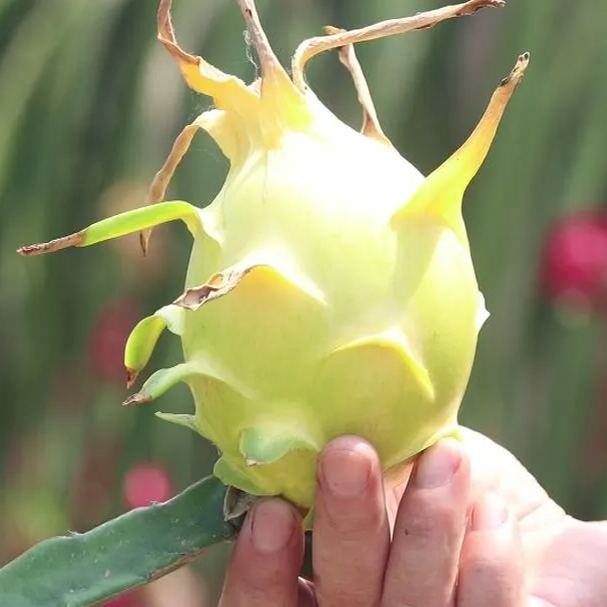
(145, 484)
(129, 599)
(108, 338)
(574, 260)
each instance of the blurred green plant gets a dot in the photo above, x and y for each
(89, 107)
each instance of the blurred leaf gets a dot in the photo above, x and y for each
(131, 550)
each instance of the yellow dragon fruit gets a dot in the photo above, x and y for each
(330, 288)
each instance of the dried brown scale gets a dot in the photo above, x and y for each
(131, 377)
(196, 297)
(347, 56)
(314, 46)
(166, 33)
(267, 58)
(163, 177)
(136, 399)
(518, 71)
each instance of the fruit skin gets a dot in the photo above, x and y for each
(341, 327)
(330, 288)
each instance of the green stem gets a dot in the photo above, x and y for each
(128, 551)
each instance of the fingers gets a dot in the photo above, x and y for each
(429, 531)
(351, 535)
(264, 567)
(491, 564)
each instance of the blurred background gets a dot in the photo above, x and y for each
(89, 106)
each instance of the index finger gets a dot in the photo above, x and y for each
(264, 567)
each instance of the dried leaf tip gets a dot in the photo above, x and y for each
(131, 377)
(347, 56)
(518, 71)
(201, 76)
(73, 240)
(270, 66)
(166, 33)
(471, 7)
(314, 46)
(137, 399)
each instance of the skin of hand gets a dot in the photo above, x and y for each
(468, 527)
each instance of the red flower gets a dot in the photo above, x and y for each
(574, 260)
(108, 338)
(125, 600)
(147, 483)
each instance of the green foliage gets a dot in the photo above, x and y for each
(128, 551)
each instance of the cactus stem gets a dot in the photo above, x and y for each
(314, 46)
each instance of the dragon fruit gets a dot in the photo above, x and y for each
(330, 288)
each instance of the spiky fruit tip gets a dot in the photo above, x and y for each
(330, 288)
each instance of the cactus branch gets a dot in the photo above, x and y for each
(347, 56)
(314, 46)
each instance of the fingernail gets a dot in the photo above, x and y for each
(272, 525)
(345, 472)
(437, 466)
(489, 513)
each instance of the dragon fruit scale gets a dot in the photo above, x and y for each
(330, 288)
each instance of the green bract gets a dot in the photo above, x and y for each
(330, 289)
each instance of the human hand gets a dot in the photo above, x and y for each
(455, 542)
(565, 559)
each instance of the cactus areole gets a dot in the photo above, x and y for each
(330, 288)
